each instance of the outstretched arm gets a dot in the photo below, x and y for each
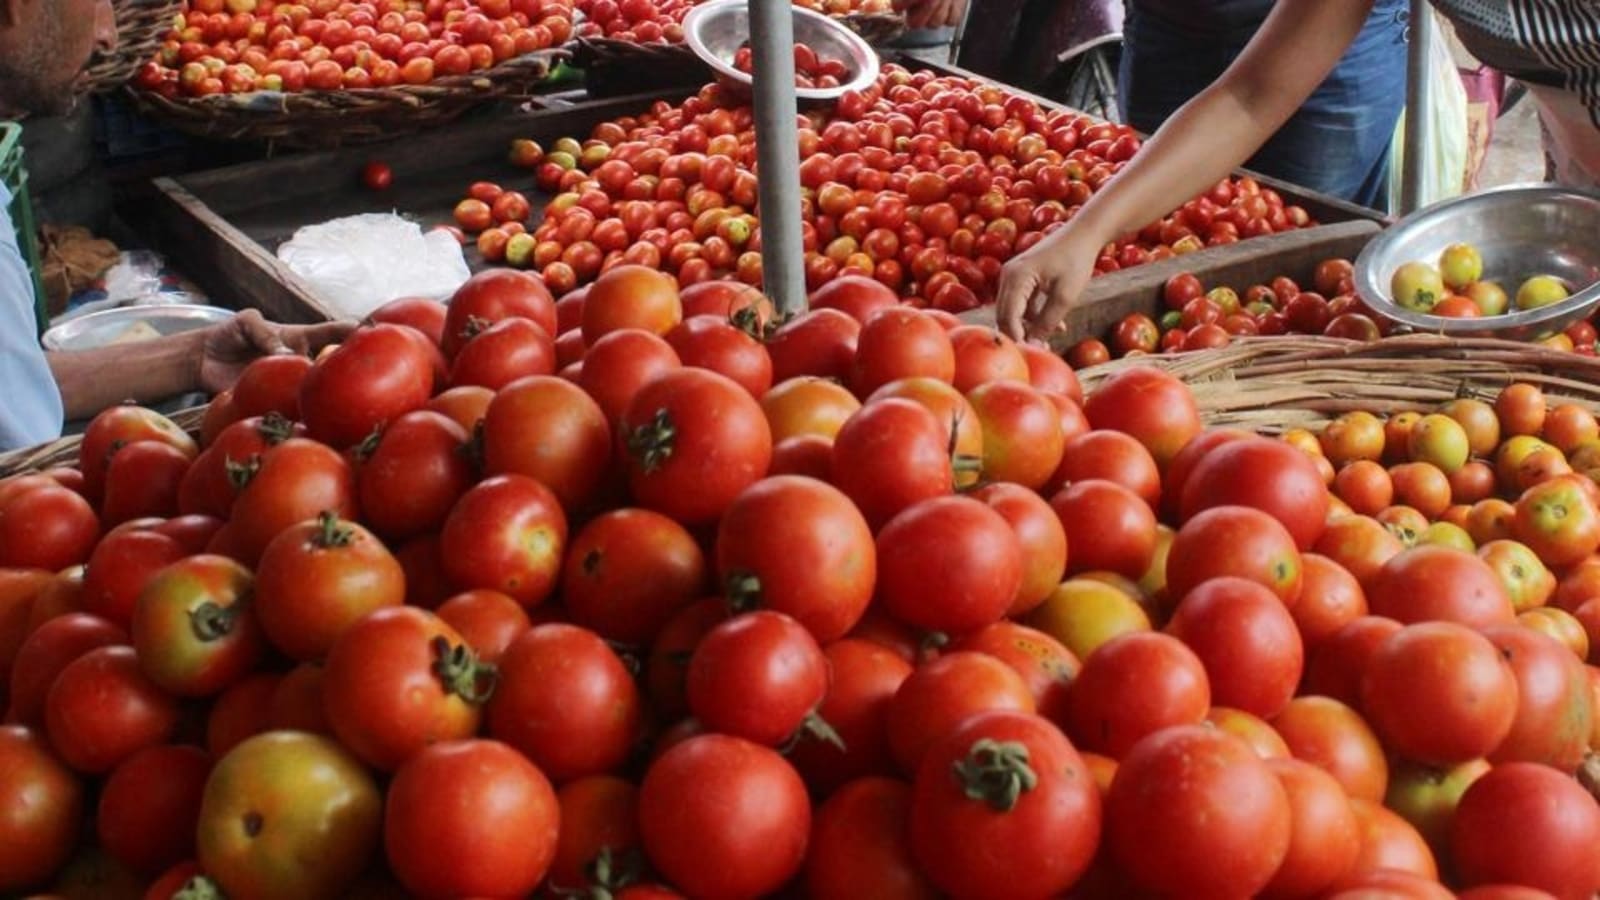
(1294, 50)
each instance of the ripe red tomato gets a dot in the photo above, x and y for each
(398, 680)
(692, 440)
(1148, 404)
(547, 428)
(1555, 715)
(502, 353)
(46, 527)
(821, 343)
(631, 296)
(900, 342)
(42, 805)
(1004, 798)
(142, 481)
(240, 712)
(1245, 639)
(48, 650)
(150, 805)
(1109, 528)
(1324, 834)
(470, 818)
(295, 481)
(1193, 811)
(978, 572)
(414, 474)
(121, 565)
(1330, 598)
(493, 295)
(566, 701)
(271, 384)
(712, 848)
(1440, 693)
(716, 344)
(1111, 456)
(212, 484)
(628, 572)
(376, 375)
(619, 364)
(1528, 824)
(799, 547)
(422, 313)
(102, 710)
(1051, 374)
(860, 842)
(599, 826)
(487, 620)
(195, 630)
(727, 300)
(854, 295)
(288, 814)
(317, 579)
(1023, 441)
(1040, 536)
(864, 679)
(1284, 483)
(666, 668)
(1435, 583)
(1238, 541)
(120, 426)
(940, 695)
(507, 533)
(984, 355)
(1134, 685)
(734, 688)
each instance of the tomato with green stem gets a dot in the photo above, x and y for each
(195, 628)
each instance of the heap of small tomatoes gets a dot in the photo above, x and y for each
(927, 184)
(1196, 318)
(649, 593)
(661, 21)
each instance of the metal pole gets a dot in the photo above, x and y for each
(777, 154)
(1419, 97)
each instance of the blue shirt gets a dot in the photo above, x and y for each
(30, 402)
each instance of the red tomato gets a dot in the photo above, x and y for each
(1110, 456)
(692, 440)
(1134, 685)
(799, 547)
(1023, 441)
(121, 565)
(1004, 798)
(422, 313)
(1238, 541)
(502, 353)
(297, 480)
(1051, 374)
(1440, 693)
(41, 810)
(102, 710)
(619, 364)
(470, 818)
(599, 829)
(213, 483)
(1435, 583)
(1176, 475)
(1555, 715)
(47, 651)
(493, 295)
(142, 480)
(398, 680)
(864, 679)
(726, 300)
(120, 426)
(940, 695)
(1109, 528)
(195, 628)
(487, 620)
(860, 844)
(984, 355)
(288, 814)
(1283, 482)
(150, 806)
(734, 687)
(1559, 521)
(46, 527)
(1330, 598)
(271, 384)
(821, 343)
(948, 564)
(1245, 639)
(1324, 834)
(414, 474)
(714, 343)
(242, 711)
(710, 846)
(1040, 536)
(549, 429)
(317, 579)
(376, 375)
(666, 668)
(1391, 846)
(898, 343)
(1148, 404)
(856, 296)
(566, 701)
(628, 572)
(631, 296)
(1528, 824)
(1044, 663)
(508, 533)
(1193, 811)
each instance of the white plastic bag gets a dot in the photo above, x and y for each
(359, 263)
(1444, 172)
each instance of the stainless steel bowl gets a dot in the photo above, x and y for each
(715, 31)
(106, 327)
(1521, 231)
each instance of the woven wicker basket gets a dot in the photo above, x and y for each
(64, 451)
(1276, 383)
(141, 26)
(323, 119)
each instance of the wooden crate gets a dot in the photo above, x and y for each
(223, 226)
(1112, 296)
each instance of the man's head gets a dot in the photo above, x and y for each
(44, 44)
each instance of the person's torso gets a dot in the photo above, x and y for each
(1206, 17)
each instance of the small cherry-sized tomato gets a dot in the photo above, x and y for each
(376, 175)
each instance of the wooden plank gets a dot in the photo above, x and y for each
(1114, 295)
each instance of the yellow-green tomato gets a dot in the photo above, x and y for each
(1540, 290)
(1417, 286)
(1439, 439)
(1490, 297)
(1460, 265)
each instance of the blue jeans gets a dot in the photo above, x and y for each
(1337, 143)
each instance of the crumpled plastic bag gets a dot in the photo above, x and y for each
(358, 263)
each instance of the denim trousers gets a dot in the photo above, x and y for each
(1338, 141)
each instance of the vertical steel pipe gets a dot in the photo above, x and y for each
(777, 154)
(1419, 97)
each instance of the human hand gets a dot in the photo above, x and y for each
(935, 13)
(230, 346)
(1039, 286)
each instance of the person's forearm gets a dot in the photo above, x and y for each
(146, 371)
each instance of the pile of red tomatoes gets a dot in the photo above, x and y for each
(661, 21)
(628, 592)
(925, 184)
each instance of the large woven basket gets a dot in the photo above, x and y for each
(141, 26)
(323, 119)
(64, 451)
(1272, 384)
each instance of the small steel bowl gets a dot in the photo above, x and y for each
(102, 328)
(715, 31)
(1521, 231)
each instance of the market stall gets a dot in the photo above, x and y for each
(592, 563)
